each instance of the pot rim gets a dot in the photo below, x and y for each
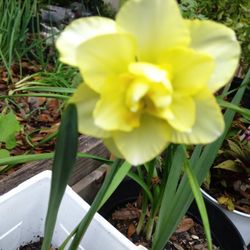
(215, 201)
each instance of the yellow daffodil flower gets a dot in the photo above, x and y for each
(149, 77)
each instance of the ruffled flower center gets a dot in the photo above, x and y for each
(149, 89)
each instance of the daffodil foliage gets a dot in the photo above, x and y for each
(149, 77)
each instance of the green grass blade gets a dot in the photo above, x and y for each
(199, 201)
(236, 108)
(47, 89)
(19, 159)
(65, 155)
(159, 238)
(48, 95)
(119, 176)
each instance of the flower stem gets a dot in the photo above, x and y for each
(150, 226)
(143, 213)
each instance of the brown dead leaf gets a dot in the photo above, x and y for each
(3, 86)
(36, 102)
(20, 119)
(50, 130)
(245, 194)
(126, 214)
(155, 180)
(185, 225)
(131, 230)
(243, 209)
(52, 104)
(37, 138)
(45, 118)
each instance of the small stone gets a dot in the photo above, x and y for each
(195, 237)
(56, 15)
(178, 247)
(199, 247)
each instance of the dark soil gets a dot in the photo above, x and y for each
(232, 196)
(188, 235)
(35, 246)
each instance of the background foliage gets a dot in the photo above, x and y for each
(233, 13)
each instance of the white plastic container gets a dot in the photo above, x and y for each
(239, 219)
(23, 212)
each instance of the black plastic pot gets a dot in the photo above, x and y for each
(224, 233)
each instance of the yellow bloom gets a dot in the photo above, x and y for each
(149, 77)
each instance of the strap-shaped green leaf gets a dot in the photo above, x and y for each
(64, 159)
(116, 174)
(200, 163)
(173, 178)
(229, 105)
(199, 201)
(18, 159)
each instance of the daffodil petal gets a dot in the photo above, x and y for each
(209, 123)
(183, 110)
(79, 31)
(105, 58)
(188, 69)
(156, 24)
(110, 144)
(85, 100)
(145, 142)
(221, 43)
(111, 112)
(135, 92)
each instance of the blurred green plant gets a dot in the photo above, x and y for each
(16, 16)
(60, 83)
(9, 127)
(233, 13)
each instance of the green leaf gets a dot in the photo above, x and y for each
(229, 165)
(201, 161)
(199, 201)
(117, 179)
(159, 238)
(9, 126)
(113, 179)
(47, 89)
(236, 108)
(64, 159)
(234, 147)
(18, 159)
(227, 202)
(4, 153)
